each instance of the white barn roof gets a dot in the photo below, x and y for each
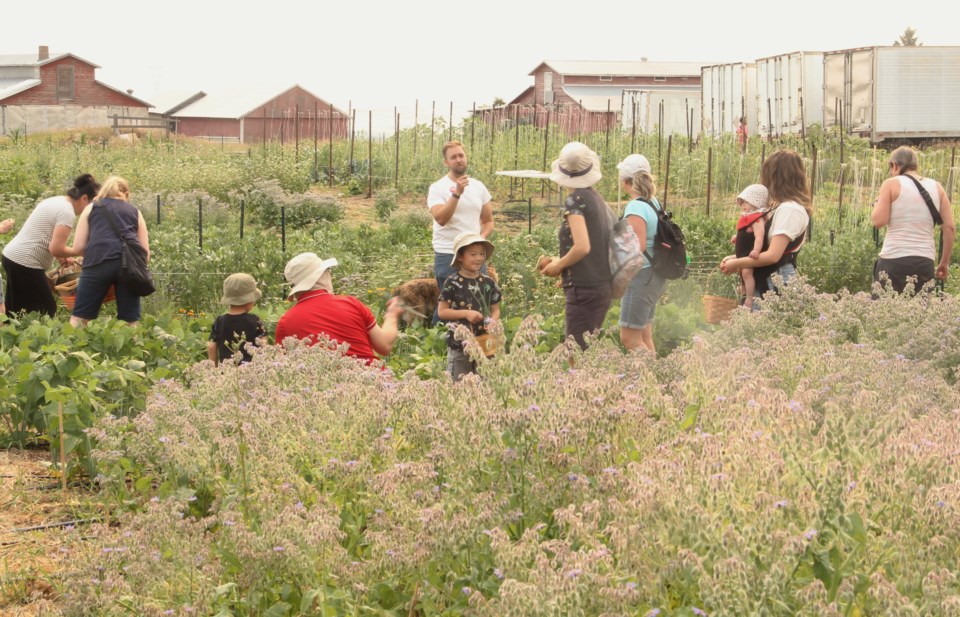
(33, 60)
(625, 68)
(9, 87)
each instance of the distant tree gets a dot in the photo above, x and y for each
(908, 39)
(498, 102)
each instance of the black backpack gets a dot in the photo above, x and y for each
(671, 259)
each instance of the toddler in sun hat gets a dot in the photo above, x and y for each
(233, 330)
(751, 237)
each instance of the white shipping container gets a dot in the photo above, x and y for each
(680, 108)
(789, 92)
(729, 92)
(894, 92)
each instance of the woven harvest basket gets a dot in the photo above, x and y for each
(68, 293)
(718, 308)
(488, 344)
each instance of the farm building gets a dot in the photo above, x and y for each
(246, 116)
(40, 92)
(587, 96)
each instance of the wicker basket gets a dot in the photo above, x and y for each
(718, 308)
(68, 293)
(488, 344)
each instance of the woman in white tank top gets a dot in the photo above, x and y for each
(909, 249)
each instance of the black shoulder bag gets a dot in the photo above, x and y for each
(937, 219)
(134, 272)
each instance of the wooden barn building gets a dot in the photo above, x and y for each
(246, 116)
(590, 96)
(40, 92)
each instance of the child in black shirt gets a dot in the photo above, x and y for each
(469, 297)
(238, 326)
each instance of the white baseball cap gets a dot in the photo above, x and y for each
(634, 163)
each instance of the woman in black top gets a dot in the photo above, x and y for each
(584, 237)
(100, 246)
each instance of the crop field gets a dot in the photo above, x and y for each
(801, 460)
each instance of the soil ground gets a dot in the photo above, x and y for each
(30, 559)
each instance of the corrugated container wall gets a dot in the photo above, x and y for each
(789, 92)
(894, 92)
(729, 91)
(680, 108)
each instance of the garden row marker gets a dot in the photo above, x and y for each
(330, 157)
(370, 154)
(666, 179)
(63, 453)
(316, 131)
(709, 176)
(396, 139)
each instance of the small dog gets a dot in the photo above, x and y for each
(419, 297)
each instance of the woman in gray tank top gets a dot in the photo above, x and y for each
(908, 248)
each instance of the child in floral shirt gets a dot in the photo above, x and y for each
(468, 297)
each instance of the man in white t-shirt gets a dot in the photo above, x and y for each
(458, 203)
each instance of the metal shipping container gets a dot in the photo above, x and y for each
(893, 92)
(729, 91)
(789, 92)
(644, 105)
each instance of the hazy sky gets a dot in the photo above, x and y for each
(380, 53)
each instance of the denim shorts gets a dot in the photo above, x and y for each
(92, 288)
(639, 302)
(787, 272)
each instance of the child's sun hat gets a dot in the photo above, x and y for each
(239, 289)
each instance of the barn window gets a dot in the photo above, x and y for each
(659, 78)
(65, 89)
(606, 78)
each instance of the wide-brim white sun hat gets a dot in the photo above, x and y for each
(466, 239)
(756, 195)
(634, 163)
(577, 167)
(304, 270)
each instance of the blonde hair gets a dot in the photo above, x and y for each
(643, 183)
(114, 187)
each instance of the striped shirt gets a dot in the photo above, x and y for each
(31, 247)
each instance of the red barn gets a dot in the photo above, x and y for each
(245, 116)
(41, 92)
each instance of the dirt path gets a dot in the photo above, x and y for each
(30, 560)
